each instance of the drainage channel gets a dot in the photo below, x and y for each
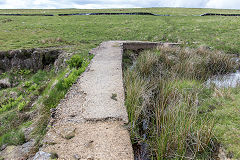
(225, 81)
(134, 13)
(219, 14)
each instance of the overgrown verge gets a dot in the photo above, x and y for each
(166, 99)
(25, 107)
(17, 103)
(57, 90)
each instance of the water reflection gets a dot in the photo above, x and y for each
(225, 81)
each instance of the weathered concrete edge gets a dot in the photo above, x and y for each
(141, 45)
(137, 45)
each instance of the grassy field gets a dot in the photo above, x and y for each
(88, 31)
(81, 33)
(170, 11)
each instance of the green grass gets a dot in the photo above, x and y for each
(165, 90)
(171, 11)
(12, 138)
(14, 111)
(227, 114)
(88, 31)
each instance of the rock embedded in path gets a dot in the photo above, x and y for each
(68, 132)
(18, 152)
(42, 156)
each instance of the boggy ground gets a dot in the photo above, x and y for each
(173, 114)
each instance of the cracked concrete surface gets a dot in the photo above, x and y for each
(89, 124)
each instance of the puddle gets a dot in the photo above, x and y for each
(225, 81)
(141, 149)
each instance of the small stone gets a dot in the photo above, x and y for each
(68, 133)
(5, 83)
(114, 96)
(26, 148)
(42, 156)
(89, 144)
(76, 157)
(54, 156)
(90, 158)
(67, 74)
(3, 147)
(18, 152)
(53, 112)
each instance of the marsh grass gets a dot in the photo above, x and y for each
(163, 93)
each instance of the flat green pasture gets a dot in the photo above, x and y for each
(220, 33)
(170, 11)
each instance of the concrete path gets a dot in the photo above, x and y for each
(90, 122)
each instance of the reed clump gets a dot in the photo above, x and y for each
(164, 89)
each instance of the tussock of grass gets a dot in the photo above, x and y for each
(163, 93)
(188, 63)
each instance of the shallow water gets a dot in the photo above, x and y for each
(225, 81)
